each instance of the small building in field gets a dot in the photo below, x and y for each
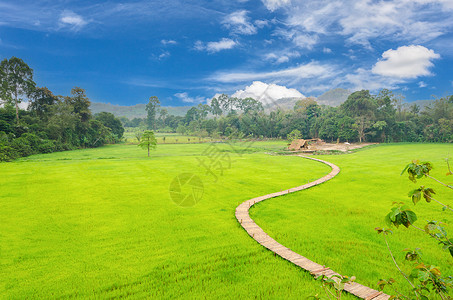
(298, 145)
(301, 144)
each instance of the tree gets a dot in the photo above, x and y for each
(301, 105)
(293, 135)
(203, 111)
(148, 140)
(250, 105)
(163, 113)
(41, 102)
(216, 109)
(151, 108)
(80, 104)
(361, 106)
(191, 115)
(109, 120)
(16, 80)
(138, 135)
(223, 101)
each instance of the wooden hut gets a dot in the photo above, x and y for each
(298, 145)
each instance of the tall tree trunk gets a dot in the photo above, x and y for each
(148, 150)
(17, 109)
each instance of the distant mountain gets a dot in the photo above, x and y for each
(282, 103)
(334, 97)
(134, 111)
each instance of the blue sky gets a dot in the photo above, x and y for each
(185, 52)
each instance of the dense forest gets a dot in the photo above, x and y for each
(362, 117)
(55, 123)
(50, 123)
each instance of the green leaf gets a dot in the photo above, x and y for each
(415, 195)
(405, 168)
(411, 216)
(395, 212)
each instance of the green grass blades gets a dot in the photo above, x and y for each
(333, 224)
(100, 223)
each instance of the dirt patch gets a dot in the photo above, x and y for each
(343, 147)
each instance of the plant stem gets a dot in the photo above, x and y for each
(432, 235)
(326, 289)
(448, 165)
(444, 184)
(399, 269)
(446, 206)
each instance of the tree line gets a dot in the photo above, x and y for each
(50, 123)
(363, 117)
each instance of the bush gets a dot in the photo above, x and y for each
(46, 146)
(4, 126)
(7, 153)
(21, 147)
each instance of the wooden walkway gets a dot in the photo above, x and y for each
(242, 215)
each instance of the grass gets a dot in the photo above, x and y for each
(99, 223)
(333, 224)
(168, 138)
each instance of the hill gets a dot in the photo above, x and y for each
(134, 111)
(334, 97)
(282, 103)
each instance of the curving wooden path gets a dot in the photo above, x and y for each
(242, 215)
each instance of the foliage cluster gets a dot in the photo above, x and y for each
(50, 123)
(426, 280)
(362, 117)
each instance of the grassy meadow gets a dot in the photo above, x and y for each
(168, 138)
(100, 223)
(333, 224)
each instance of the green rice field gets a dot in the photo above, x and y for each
(100, 223)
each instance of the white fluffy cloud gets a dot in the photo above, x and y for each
(267, 93)
(184, 97)
(414, 21)
(168, 42)
(239, 23)
(289, 75)
(275, 4)
(282, 56)
(70, 18)
(212, 47)
(406, 62)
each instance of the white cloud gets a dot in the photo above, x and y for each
(301, 40)
(168, 42)
(212, 47)
(363, 79)
(406, 62)
(261, 23)
(305, 40)
(184, 97)
(273, 5)
(327, 50)
(164, 54)
(414, 21)
(238, 23)
(70, 18)
(267, 93)
(282, 56)
(422, 84)
(290, 75)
